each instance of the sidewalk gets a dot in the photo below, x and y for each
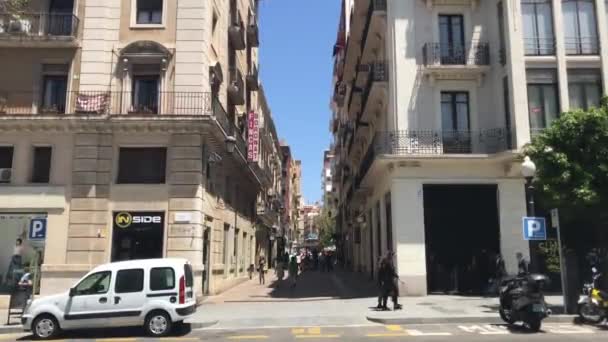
(342, 298)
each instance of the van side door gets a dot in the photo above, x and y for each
(89, 302)
(128, 298)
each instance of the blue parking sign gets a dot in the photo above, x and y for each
(535, 228)
(37, 229)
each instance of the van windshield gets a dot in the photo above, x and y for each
(188, 274)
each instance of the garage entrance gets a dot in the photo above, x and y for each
(462, 237)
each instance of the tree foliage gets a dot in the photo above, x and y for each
(14, 6)
(327, 226)
(572, 162)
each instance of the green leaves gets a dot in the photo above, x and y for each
(572, 160)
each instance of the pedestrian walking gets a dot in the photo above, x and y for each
(395, 280)
(523, 267)
(262, 270)
(293, 271)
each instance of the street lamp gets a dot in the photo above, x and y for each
(528, 170)
(230, 144)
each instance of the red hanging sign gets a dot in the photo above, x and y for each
(253, 139)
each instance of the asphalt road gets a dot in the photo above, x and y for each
(371, 332)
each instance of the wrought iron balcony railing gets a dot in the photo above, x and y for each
(105, 102)
(38, 26)
(537, 46)
(582, 45)
(432, 142)
(378, 73)
(456, 54)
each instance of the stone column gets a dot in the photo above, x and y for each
(90, 224)
(185, 234)
(512, 208)
(602, 19)
(408, 223)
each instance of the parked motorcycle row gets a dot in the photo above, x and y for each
(522, 300)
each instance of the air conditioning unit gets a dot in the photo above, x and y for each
(5, 175)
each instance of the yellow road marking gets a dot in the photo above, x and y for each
(314, 331)
(394, 328)
(178, 339)
(403, 334)
(318, 336)
(118, 339)
(248, 337)
(297, 331)
(4, 337)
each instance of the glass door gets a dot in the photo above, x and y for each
(455, 122)
(451, 39)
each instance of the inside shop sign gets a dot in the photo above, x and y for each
(126, 219)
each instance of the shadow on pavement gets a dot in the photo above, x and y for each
(333, 285)
(132, 332)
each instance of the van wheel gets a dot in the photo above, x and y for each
(45, 327)
(158, 324)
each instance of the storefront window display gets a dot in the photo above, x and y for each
(21, 249)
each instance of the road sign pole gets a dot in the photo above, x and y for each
(562, 266)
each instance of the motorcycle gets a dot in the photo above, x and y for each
(593, 307)
(522, 300)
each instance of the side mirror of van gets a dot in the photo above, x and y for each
(72, 292)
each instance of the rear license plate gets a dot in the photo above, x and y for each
(538, 308)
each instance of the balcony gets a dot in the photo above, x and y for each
(537, 46)
(374, 29)
(236, 87)
(582, 46)
(253, 33)
(339, 93)
(105, 103)
(38, 29)
(374, 92)
(430, 142)
(448, 61)
(236, 35)
(252, 79)
(265, 213)
(228, 126)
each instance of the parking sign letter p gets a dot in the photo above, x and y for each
(533, 228)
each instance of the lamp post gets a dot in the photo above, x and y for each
(528, 170)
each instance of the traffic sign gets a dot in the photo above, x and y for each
(37, 229)
(555, 218)
(534, 228)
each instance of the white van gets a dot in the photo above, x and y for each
(155, 293)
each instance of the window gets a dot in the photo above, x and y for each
(584, 88)
(128, 281)
(455, 122)
(54, 90)
(378, 230)
(150, 12)
(96, 283)
(580, 27)
(537, 16)
(543, 101)
(501, 33)
(226, 237)
(6, 157)
(145, 92)
(162, 279)
(142, 165)
(507, 107)
(389, 221)
(189, 275)
(41, 169)
(451, 39)
(235, 246)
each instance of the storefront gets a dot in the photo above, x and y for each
(137, 235)
(21, 248)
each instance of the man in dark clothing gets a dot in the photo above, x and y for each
(388, 279)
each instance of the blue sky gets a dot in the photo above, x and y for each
(296, 64)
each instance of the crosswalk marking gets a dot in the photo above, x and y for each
(420, 333)
(394, 328)
(567, 329)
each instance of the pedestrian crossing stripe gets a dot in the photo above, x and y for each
(248, 337)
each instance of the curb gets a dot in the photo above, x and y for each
(11, 329)
(439, 320)
(201, 325)
(14, 329)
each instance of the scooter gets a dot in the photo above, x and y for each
(593, 307)
(522, 300)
